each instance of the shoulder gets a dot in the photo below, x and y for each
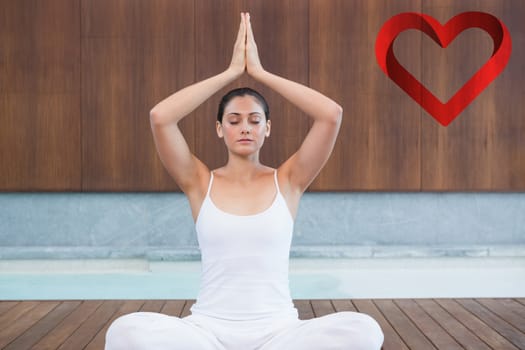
(197, 192)
(285, 183)
(292, 194)
(285, 179)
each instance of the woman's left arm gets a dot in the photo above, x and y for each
(304, 165)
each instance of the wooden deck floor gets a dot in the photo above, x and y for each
(407, 323)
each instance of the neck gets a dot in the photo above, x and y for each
(243, 168)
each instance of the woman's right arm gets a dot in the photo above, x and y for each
(186, 169)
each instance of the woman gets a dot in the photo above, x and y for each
(244, 213)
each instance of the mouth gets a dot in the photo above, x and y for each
(244, 140)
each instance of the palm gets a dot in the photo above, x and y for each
(238, 62)
(245, 54)
(253, 63)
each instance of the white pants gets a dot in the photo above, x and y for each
(150, 330)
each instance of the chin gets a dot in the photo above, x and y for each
(244, 152)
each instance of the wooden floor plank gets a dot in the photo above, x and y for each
(505, 312)
(43, 326)
(462, 334)
(444, 324)
(173, 307)
(15, 312)
(92, 325)
(343, 305)
(322, 307)
(127, 307)
(478, 327)
(406, 329)
(392, 338)
(514, 305)
(6, 305)
(497, 323)
(64, 329)
(520, 300)
(304, 308)
(26, 321)
(432, 330)
(153, 306)
(187, 306)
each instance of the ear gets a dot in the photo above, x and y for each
(268, 127)
(218, 127)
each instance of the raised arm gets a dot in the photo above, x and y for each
(181, 164)
(304, 165)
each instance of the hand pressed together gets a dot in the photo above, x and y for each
(245, 56)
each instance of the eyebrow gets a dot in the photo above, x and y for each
(251, 113)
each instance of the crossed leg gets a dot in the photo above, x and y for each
(150, 330)
(342, 330)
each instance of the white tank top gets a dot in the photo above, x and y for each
(244, 261)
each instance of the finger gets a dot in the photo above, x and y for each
(249, 28)
(242, 29)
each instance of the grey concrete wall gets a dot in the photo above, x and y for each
(159, 226)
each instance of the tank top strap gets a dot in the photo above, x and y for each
(209, 185)
(276, 182)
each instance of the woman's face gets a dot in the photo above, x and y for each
(244, 125)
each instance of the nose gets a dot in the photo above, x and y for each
(245, 128)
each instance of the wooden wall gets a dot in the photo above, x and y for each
(78, 78)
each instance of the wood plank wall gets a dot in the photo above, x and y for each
(78, 78)
(40, 95)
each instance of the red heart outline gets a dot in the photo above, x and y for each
(444, 113)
